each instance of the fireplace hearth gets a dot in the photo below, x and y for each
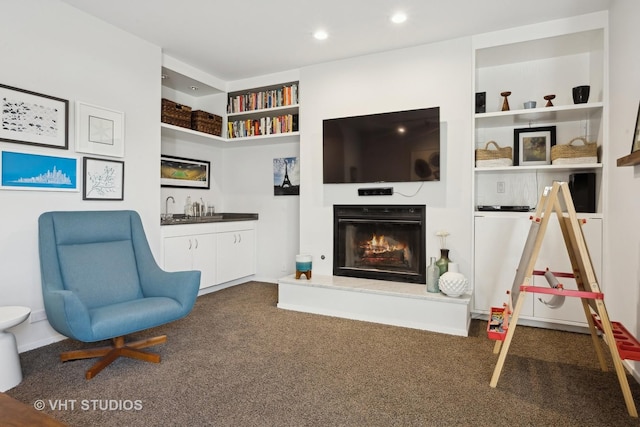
(385, 242)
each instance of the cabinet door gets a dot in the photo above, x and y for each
(555, 257)
(204, 258)
(498, 245)
(177, 253)
(236, 255)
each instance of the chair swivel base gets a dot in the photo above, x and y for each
(112, 352)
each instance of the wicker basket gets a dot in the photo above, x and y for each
(206, 122)
(569, 154)
(176, 114)
(501, 156)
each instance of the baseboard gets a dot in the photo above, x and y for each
(40, 343)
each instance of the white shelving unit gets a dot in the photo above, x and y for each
(189, 86)
(532, 62)
(286, 105)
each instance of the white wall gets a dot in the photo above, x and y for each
(622, 248)
(51, 48)
(248, 187)
(438, 74)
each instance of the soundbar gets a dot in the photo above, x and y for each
(380, 191)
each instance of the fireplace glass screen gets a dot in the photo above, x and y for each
(380, 242)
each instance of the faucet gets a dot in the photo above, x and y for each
(166, 206)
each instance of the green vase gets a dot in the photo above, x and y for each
(443, 262)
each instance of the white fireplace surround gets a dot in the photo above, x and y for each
(391, 303)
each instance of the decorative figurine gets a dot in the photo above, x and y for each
(548, 98)
(505, 103)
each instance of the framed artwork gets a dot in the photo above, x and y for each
(26, 171)
(182, 172)
(286, 176)
(635, 146)
(99, 130)
(33, 118)
(532, 146)
(103, 179)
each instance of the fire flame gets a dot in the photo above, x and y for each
(379, 244)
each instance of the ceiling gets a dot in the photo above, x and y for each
(237, 39)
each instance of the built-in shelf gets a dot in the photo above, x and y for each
(189, 135)
(560, 113)
(630, 160)
(264, 112)
(557, 168)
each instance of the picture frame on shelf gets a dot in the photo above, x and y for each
(182, 172)
(99, 130)
(103, 179)
(34, 118)
(532, 146)
(635, 145)
(30, 171)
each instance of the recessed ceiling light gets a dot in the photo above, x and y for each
(320, 35)
(194, 88)
(398, 18)
(164, 76)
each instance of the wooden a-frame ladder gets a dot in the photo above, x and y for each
(588, 288)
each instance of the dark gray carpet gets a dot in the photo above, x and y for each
(237, 360)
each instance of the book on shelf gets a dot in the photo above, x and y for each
(263, 99)
(285, 123)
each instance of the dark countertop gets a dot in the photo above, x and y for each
(218, 217)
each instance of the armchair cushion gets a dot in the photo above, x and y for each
(137, 314)
(100, 274)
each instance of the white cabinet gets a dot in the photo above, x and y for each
(222, 251)
(499, 242)
(236, 255)
(192, 252)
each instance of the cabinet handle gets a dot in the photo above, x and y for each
(190, 244)
(235, 239)
(196, 243)
(239, 238)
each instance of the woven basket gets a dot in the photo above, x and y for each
(568, 154)
(206, 122)
(501, 156)
(176, 114)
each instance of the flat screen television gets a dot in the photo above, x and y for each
(400, 146)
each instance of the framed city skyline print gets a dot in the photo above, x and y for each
(26, 171)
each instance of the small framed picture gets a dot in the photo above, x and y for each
(33, 118)
(532, 146)
(182, 172)
(99, 130)
(635, 146)
(103, 179)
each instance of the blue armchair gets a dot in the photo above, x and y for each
(101, 282)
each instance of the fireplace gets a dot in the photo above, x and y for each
(385, 242)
